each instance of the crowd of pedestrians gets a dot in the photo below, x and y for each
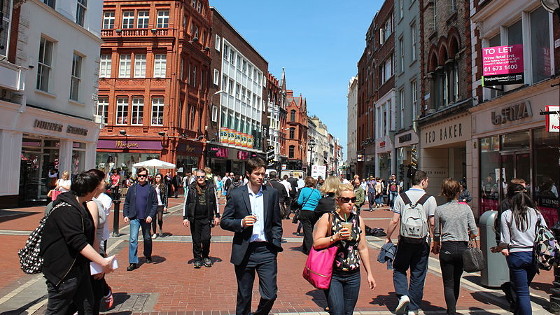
(255, 206)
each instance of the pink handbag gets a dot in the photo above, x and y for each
(55, 194)
(319, 265)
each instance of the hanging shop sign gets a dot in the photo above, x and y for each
(502, 65)
(552, 120)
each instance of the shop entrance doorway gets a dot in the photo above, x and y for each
(514, 165)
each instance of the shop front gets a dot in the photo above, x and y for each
(384, 157)
(188, 156)
(226, 159)
(513, 142)
(122, 154)
(406, 145)
(445, 150)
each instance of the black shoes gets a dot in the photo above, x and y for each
(131, 267)
(197, 264)
(207, 262)
(148, 260)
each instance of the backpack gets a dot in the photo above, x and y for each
(414, 223)
(30, 260)
(545, 248)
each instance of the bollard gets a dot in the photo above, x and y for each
(116, 215)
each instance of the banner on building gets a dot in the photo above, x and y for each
(502, 65)
(552, 119)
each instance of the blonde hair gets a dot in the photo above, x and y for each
(65, 175)
(344, 187)
(330, 185)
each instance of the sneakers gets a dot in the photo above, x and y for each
(131, 267)
(403, 304)
(154, 236)
(109, 300)
(197, 264)
(207, 262)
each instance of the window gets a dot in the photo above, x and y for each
(231, 87)
(232, 57)
(291, 152)
(413, 41)
(76, 77)
(237, 90)
(214, 113)
(386, 30)
(243, 94)
(401, 107)
(540, 45)
(194, 30)
(140, 65)
(81, 12)
(401, 8)
(5, 20)
(122, 110)
(44, 64)
(162, 18)
(218, 42)
(137, 110)
(386, 70)
(105, 66)
(216, 77)
(224, 83)
(292, 132)
(124, 66)
(453, 5)
(157, 111)
(103, 108)
(414, 98)
(143, 19)
(193, 76)
(50, 3)
(226, 52)
(160, 66)
(128, 19)
(401, 53)
(108, 20)
(293, 115)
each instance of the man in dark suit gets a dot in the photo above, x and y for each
(253, 213)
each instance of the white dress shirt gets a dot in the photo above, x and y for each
(257, 209)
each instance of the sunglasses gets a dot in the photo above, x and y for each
(203, 176)
(142, 175)
(347, 199)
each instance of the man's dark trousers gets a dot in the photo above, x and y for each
(262, 259)
(413, 257)
(200, 231)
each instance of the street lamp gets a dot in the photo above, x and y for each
(311, 145)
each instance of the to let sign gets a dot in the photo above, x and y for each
(502, 65)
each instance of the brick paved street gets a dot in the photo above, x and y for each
(171, 284)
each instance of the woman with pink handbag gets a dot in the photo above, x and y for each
(344, 230)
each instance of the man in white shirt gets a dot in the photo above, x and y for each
(412, 255)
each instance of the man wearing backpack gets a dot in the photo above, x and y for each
(414, 210)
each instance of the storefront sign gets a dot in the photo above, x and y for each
(382, 144)
(451, 131)
(512, 113)
(41, 124)
(405, 138)
(76, 130)
(129, 144)
(218, 152)
(502, 65)
(552, 120)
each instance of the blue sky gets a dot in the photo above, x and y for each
(318, 42)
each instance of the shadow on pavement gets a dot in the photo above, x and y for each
(296, 248)
(120, 299)
(390, 301)
(497, 299)
(156, 260)
(540, 286)
(22, 309)
(213, 259)
(478, 310)
(7, 215)
(318, 297)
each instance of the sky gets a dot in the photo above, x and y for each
(318, 42)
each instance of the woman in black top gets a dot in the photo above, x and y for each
(327, 203)
(66, 248)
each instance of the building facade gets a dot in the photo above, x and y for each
(352, 128)
(239, 100)
(297, 135)
(277, 116)
(154, 76)
(48, 77)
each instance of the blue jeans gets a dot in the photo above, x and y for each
(413, 257)
(135, 225)
(343, 292)
(392, 196)
(522, 270)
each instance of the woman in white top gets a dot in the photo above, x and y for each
(63, 183)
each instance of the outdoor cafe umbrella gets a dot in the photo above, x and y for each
(155, 164)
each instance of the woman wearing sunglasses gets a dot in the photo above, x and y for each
(346, 233)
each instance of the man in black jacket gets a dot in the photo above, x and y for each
(282, 194)
(140, 207)
(253, 213)
(201, 213)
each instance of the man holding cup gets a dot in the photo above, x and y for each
(253, 213)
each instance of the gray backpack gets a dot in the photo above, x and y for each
(414, 223)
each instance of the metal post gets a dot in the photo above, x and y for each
(116, 215)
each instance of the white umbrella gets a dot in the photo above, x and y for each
(155, 164)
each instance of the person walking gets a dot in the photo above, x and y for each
(411, 253)
(252, 212)
(162, 203)
(140, 206)
(352, 251)
(115, 180)
(282, 194)
(378, 192)
(360, 195)
(516, 243)
(308, 199)
(66, 249)
(370, 185)
(454, 226)
(393, 190)
(200, 212)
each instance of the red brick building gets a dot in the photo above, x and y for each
(296, 124)
(154, 79)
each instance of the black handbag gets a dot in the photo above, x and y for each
(473, 260)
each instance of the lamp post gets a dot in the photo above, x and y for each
(553, 6)
(311, 145)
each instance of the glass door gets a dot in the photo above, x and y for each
(514, 165)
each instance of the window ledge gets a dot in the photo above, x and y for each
(47, 94)
(73, 102)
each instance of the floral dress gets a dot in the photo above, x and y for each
(347, 257)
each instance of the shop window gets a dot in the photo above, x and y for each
(78, 157)
(489, 173)
(546, 173)
(515, 141)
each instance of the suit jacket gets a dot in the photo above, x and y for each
(238, 207)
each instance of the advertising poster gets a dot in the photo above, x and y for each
(224, 137)
(250, 141)
(502, 65)
(231, 136)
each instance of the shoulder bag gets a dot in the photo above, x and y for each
(319, 265)
(473, 260)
